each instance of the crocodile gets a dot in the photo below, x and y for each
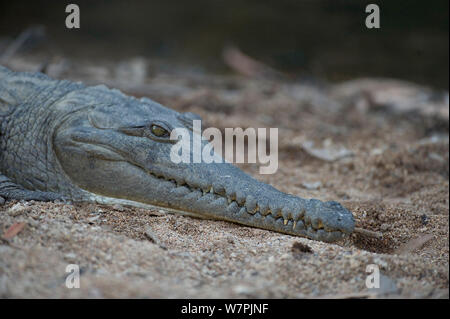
(63, 140)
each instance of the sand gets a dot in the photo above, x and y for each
(378, 146)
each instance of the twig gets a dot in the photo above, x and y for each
(368, 233)
(356, 295)
(19, 42)
(413, 244)
(152, 237)
(246, 65)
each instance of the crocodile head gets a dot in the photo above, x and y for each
(121, 149)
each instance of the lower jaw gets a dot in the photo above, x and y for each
(194, 202)
(257, 220)
(287, 227)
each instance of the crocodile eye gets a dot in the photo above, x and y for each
(159, 131)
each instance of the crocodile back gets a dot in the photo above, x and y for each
(30, 108)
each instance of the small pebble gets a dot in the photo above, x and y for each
(17, 210)
(241, 289)
(93, 219)
(312, 186)
(424, 219)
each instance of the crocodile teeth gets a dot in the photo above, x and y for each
(180, 182)
(206, 190)
(317, 223)
(286, 213)
(240, 205)
(263, 209)
(220, 190)
(275, 211)
(251, 204)
(240, 199)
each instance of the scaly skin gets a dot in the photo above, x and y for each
(60, 139)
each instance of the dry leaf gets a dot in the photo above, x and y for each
(13, 230)
(414, 244)
(246, 65)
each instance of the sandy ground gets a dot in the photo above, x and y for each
(378, 146)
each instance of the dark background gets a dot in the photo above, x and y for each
(326, 39)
